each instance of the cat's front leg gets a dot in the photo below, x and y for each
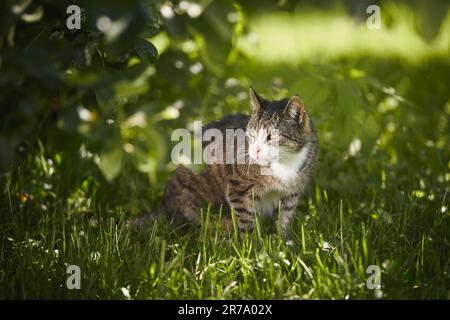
(288, 205)
(240, 199)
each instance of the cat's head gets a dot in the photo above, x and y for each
(277, 130)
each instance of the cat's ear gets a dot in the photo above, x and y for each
(295, 109)
(256, 101)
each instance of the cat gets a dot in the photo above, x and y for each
(244, 187)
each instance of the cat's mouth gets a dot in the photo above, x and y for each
(263, 155)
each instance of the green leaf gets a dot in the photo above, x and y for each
(145, 49)
(139, 85)
(107, 99)
(111, 162)
(34, 16)
(213, 33)
(430, 17)
(20, 6)
(150, 150)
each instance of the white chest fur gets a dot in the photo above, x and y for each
(288, 169)
(268, 203)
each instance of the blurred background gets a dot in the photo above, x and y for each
(86, 114)
(94, 103)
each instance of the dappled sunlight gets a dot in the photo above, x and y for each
(316, 36)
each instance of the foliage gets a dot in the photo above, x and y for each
(103, 90)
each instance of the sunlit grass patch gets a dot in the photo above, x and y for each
(315, 35)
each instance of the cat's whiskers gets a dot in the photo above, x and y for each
(246, 164)
(289, 166)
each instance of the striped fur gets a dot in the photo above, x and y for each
(243, 187)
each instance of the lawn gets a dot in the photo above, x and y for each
(380, 195)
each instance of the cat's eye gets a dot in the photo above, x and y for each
(272, 136)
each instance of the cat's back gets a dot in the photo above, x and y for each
(234, 121)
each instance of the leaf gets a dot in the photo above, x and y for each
(145, 49)
(20, 6)
(33, 17)
(107, 99)
(430, 17)
(150, 150)
(139, 85)
(213, 33)
(111, 162)
(83, 56)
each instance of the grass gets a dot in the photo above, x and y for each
(386, 204)
(335, 240)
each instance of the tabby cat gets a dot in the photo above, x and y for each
(267, 183)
